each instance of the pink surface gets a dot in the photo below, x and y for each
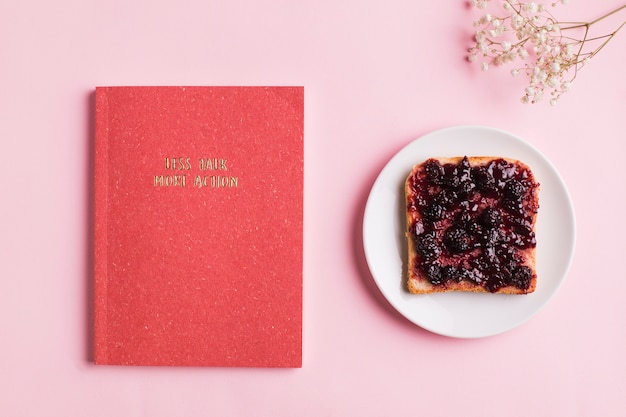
(376, 76)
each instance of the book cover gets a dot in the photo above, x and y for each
(198, 226)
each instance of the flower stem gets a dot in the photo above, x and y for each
(608, 38)
(608, 14)
(576, 25)
(587, 27)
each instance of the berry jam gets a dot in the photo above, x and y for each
(473, 223)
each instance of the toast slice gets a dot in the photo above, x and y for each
(471, 225)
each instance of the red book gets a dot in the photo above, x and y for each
(198, 226)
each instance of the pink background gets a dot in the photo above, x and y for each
(376, 76)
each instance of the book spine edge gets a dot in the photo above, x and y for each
(100, 225)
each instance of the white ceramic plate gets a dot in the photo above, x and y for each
(458, 314)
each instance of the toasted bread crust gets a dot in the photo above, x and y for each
(417, 280)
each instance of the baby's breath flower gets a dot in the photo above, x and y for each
(551, 53)
(530, 7)
(480, 4)
(523, 53)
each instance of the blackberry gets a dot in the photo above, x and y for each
(451, 178)
(507, 253)
(450, 272)
(462, 219)
(490, 237)
(508, 258)
(491, 257)
(473, 228)
(528, 241)
(521, 277)
(433, 212)
(456, 241)
(521, 234)
(512, 196)
(474, 275)
(466, 187)
(502, 170)
(514, 206)
(491, 217)
(434, 172)
(433, 273)
(514, 190)
(483, 179)
(480, 264)
(445, 197)
(427, 247)
(464, 170)
(495, 282)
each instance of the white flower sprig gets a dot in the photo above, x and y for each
(552, 51)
